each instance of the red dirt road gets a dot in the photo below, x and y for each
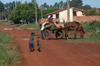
(54, 52)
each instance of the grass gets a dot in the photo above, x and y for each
(24, 26)
(7, 23)
(8, 54)
(32, 25)
(87, 38)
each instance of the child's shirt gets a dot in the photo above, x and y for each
(31, 39)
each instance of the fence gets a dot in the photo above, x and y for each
(86, 18)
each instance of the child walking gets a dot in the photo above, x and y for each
(31, 42)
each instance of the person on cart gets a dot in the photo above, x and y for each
(51, 20)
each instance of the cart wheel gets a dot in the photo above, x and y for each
(46, 34)
(59, 34)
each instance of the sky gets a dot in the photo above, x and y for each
(92, 3)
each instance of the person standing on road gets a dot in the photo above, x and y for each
(42, 28)
(31, 42)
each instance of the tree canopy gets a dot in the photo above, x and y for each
(25, 12)
(1, 6)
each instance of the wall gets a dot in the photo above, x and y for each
(44, 20)
(79, 13)
(86, 18)
(63, 15)
(54, 15)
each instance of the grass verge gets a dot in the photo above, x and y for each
(90, 33)
(7, 23)
(8, 52)
(32, 25)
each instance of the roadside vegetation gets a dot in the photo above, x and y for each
(7, 23)
(92, 33)
(32, 25)
(8, 52)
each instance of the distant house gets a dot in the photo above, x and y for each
(61, 14)
(98, 9)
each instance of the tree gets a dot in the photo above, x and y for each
(62, 4)
(25, 12)
(33, 1)
(18, 2)
(76, 3)
(1, 6)
(46, 11)
(13, 4)
(45, 6)
(51, 6)
(86, 13)
(86, 7)
(56, 5)
(92, 11)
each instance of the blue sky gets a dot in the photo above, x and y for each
(93, 3)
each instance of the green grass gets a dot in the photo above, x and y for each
(32, 25)
(7, 23)
(87, 38)
(8, 54)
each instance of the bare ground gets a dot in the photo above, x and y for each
(54, 52)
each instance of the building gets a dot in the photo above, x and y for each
(61, 14)
(98, 8)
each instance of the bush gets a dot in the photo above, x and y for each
(91, 26)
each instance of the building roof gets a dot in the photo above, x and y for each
(57, 11)
(98, 9)
(77, 9)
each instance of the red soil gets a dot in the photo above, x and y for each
(54, 52)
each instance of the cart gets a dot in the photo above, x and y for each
(57, 31)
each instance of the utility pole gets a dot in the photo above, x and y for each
(35, 11)
(21, 1)
(68, 12)
(13, 5)
(59, 5)
(2, 15)
(41, 12)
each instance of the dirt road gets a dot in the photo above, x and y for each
(54, 52)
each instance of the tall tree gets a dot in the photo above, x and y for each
(18, 2)
(25, 12)
(13, 4)
(51, 6)
(45, 6)
(62, 4)
(33, 1)
(86, 7)
(1, 6)
(76, 3)
(56, 5)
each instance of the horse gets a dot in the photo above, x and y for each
(74, 26)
